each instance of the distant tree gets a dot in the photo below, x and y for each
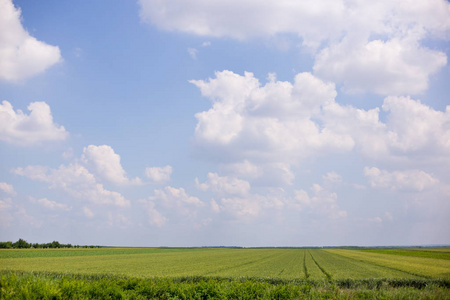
(55, 244)
(6, 245)
(21, 244)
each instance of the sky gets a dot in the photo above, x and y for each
(225, 123)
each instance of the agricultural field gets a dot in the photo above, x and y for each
(341, 272)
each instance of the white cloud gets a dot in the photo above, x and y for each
(7, 188)
(413, 130)
(332, 178)
(87, 212)
(415, 127)
(255, 131)
(368, 46)
(394, 67)
(409, 180)
(323, 203)
(76, 181)
(224, 185)
(158, 174)
(52, 205)
(25, 219)
(235, 197)
(107, 164)
(155, 217)
(21, 55)
(244, 19)
(267, 123)
(243, 207)
(243, 169)
(192, 52)
(174, 201)
(22, 129)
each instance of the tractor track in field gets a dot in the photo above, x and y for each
(305, 269)
(240, 265)
(387, 267)
(328, 275)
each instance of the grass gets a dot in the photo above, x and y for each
(415, 266)
(432, 253)
(20, 285)
(221, 273)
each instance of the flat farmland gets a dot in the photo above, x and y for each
(312, 264)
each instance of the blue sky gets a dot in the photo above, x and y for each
(250, 123)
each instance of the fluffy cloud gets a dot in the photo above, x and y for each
(415, 127)
(175, 203)
(155, 217)
(248, 206)
(6, 203)
(394, 67)
(268, 123)
(52, 205)
(224, 185)
(410, 180)
(21, 55)
(23, 129)
(323, 202)
(107, 164)
(413, 130)
(158, 174)
(76, 181)
(368, 46)
(256, 131)
(7, 188)
(176, 198)
(235, 197)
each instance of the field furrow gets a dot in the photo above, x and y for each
(419, 266)
(313, 270)
(340, 267)
(267, 263)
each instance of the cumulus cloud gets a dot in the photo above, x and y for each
(235, 198)
(366, 46)
(6, 203)
(415, 127)
(323, 202)
(171, 204)
(256, 131)
(224, 185)
(87, 212)
(413, 130)
(52, 205)
(155, 217)
(192, 52)
(19, 128)
(244, 19)
(21, 55)
(76, 181)
(244, 169)
(158, 174)
(409, 180)
(393, 67)
(175, 197)
(107, 164)
(7, 189)
(332, 178)
(268, 123)
(248, 206)
(259, 131)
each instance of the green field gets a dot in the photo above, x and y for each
(322, 269)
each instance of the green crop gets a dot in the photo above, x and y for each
(313, 264)
(416, 266)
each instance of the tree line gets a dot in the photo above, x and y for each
(22, 244)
